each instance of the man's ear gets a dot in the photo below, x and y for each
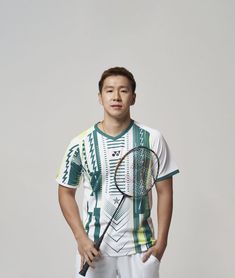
(133, 99)
(100, 98)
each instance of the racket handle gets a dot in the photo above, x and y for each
(85, 267)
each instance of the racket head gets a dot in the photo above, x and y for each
(137, 171)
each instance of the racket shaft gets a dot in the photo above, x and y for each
(98, 243)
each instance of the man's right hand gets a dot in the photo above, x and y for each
(87, 251)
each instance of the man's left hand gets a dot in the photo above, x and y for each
(156, 250)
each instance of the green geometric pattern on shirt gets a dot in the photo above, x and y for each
(95, 171)
(97, 223)
(96, 180)
(116, 146)
(85, 157)
(141, 205)
(87, 225)
(74, 173)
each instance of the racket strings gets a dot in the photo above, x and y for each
(141, 170)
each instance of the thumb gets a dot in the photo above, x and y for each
(146, 256)
(82, 262)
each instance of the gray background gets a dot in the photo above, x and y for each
(182, 56)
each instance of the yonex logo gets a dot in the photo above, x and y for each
(116, 153)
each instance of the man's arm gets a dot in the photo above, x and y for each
(164, 210)
(71, 213)
(164, 213)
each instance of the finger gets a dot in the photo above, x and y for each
(89, 259)
(82, 262)
(90, 255)
(157, 256)
(91, 264)
(95, 252)
(146, 256)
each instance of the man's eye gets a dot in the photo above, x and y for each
(124, 91)
(109, 91)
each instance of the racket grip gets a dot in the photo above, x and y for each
(84, 269)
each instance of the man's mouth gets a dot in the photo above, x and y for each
(116, 106)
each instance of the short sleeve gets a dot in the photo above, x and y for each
(70, 171)
(167, 165)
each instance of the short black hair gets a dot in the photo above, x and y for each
(117, 71)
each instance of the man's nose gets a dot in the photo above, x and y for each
(116, 96)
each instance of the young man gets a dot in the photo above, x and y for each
(129, 248)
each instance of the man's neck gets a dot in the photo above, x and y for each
(114, 127)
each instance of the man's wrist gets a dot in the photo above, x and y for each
(80, 236)
(161, 242)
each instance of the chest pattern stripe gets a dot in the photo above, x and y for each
(92, 162)
(67, 171)
(141, 209)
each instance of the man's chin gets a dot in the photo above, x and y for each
(119, 117)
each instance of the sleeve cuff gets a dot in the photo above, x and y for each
(67, 185)
(168, 175)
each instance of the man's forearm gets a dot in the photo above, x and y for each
(164, 211)
(71, 212)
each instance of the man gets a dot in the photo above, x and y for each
(129, 248)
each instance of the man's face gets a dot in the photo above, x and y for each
(116, 96)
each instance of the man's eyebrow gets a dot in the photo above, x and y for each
(109, 86)
(124, 86)
(105, 87)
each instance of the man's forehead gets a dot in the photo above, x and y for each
(120, 81)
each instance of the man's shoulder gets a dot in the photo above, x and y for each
(154, 132)
(82, 135)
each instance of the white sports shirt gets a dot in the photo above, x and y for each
(131, 230)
